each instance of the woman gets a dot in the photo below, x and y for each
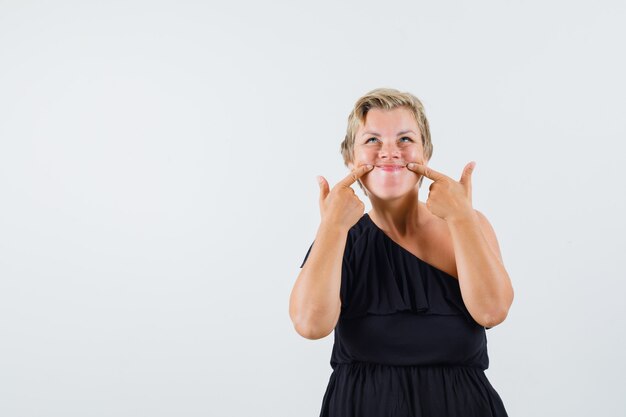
(408, 288)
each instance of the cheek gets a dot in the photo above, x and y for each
(412, 154)
(364, 156)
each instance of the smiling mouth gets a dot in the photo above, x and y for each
(391, 167)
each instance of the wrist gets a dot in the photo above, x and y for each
(468, 216)
(332, 228)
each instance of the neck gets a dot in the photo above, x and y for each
(402, 216)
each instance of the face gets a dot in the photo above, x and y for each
(389, 139)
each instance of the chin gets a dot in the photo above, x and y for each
(389, 193)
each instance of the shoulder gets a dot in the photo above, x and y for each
(489, 233)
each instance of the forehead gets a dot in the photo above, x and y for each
(389, 121)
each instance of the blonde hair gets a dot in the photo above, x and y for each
(385, 99)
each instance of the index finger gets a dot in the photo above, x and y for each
(426, 171)
(355, 175)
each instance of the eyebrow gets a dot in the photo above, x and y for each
(403, 132)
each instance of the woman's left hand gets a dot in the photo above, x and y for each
(448, 199)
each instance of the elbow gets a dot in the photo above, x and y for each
(314, 323)
(493, 318)
(311, 332)
(498, 314)
(314, 326)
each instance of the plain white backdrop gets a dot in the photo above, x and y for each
(158, 192)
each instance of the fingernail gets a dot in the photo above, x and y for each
(411, 165)
(369, 166)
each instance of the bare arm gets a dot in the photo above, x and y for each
(314, 305)
(485, 285)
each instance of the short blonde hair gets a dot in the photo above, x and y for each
(385, 99)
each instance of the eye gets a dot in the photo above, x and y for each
(368, 141)
(406, 137)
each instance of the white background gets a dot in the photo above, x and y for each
(158, 193)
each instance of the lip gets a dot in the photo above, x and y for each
(390, 167)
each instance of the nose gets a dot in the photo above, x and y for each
(389, 150)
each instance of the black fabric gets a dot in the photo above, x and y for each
(405, 344)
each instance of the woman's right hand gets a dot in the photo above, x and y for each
(340, 207)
